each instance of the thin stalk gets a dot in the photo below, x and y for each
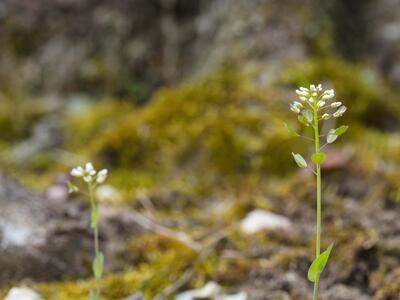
(95, 225)
(318, 242)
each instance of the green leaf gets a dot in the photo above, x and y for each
(342, 129)
(334, 133)
(303, 120)
(95, 218)
(72, 188)
(318, 158)
(291, 131)
(300, 161)
(98, 264)
(318, 265)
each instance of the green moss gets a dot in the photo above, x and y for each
(220, 126)
(17, 117)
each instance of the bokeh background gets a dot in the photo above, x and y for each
(184, 102)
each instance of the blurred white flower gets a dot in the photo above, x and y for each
(102, 176)
(77, 172)
(320, 104)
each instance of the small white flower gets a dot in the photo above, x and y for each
(102, 176)
(90, 169)
(336, 104)
(304, 89)
(77, 172)
(320, 104)
(340, 111)
(313, 88)
(319, 87)
(326, 116)
(311, 100)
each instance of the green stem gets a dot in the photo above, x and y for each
(95, 225)
(315, 293)
(318, 241)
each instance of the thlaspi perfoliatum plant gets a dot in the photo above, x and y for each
(314, 107)
(92, 179)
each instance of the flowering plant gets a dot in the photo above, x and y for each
(92, 178)
(313, 108)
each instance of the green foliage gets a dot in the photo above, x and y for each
(333, 134)
(318, 265)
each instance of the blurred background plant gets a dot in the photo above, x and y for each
(184, 101)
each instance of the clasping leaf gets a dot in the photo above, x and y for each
(318, 158)
(300, 161)
(98, 264)
(318, 265)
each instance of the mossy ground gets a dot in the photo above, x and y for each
(220, 140)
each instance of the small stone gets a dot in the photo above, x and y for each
(137, 296)
(210, 290)
(238, 296)
(258, 220)
(22, 293)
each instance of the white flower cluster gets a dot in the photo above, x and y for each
(89, 173)
(314, 96)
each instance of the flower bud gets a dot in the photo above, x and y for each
(298, 104)
(327, 96)
(340, 112)
(295, 109)
(302, 98)
(336, 104)
(326, 116)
